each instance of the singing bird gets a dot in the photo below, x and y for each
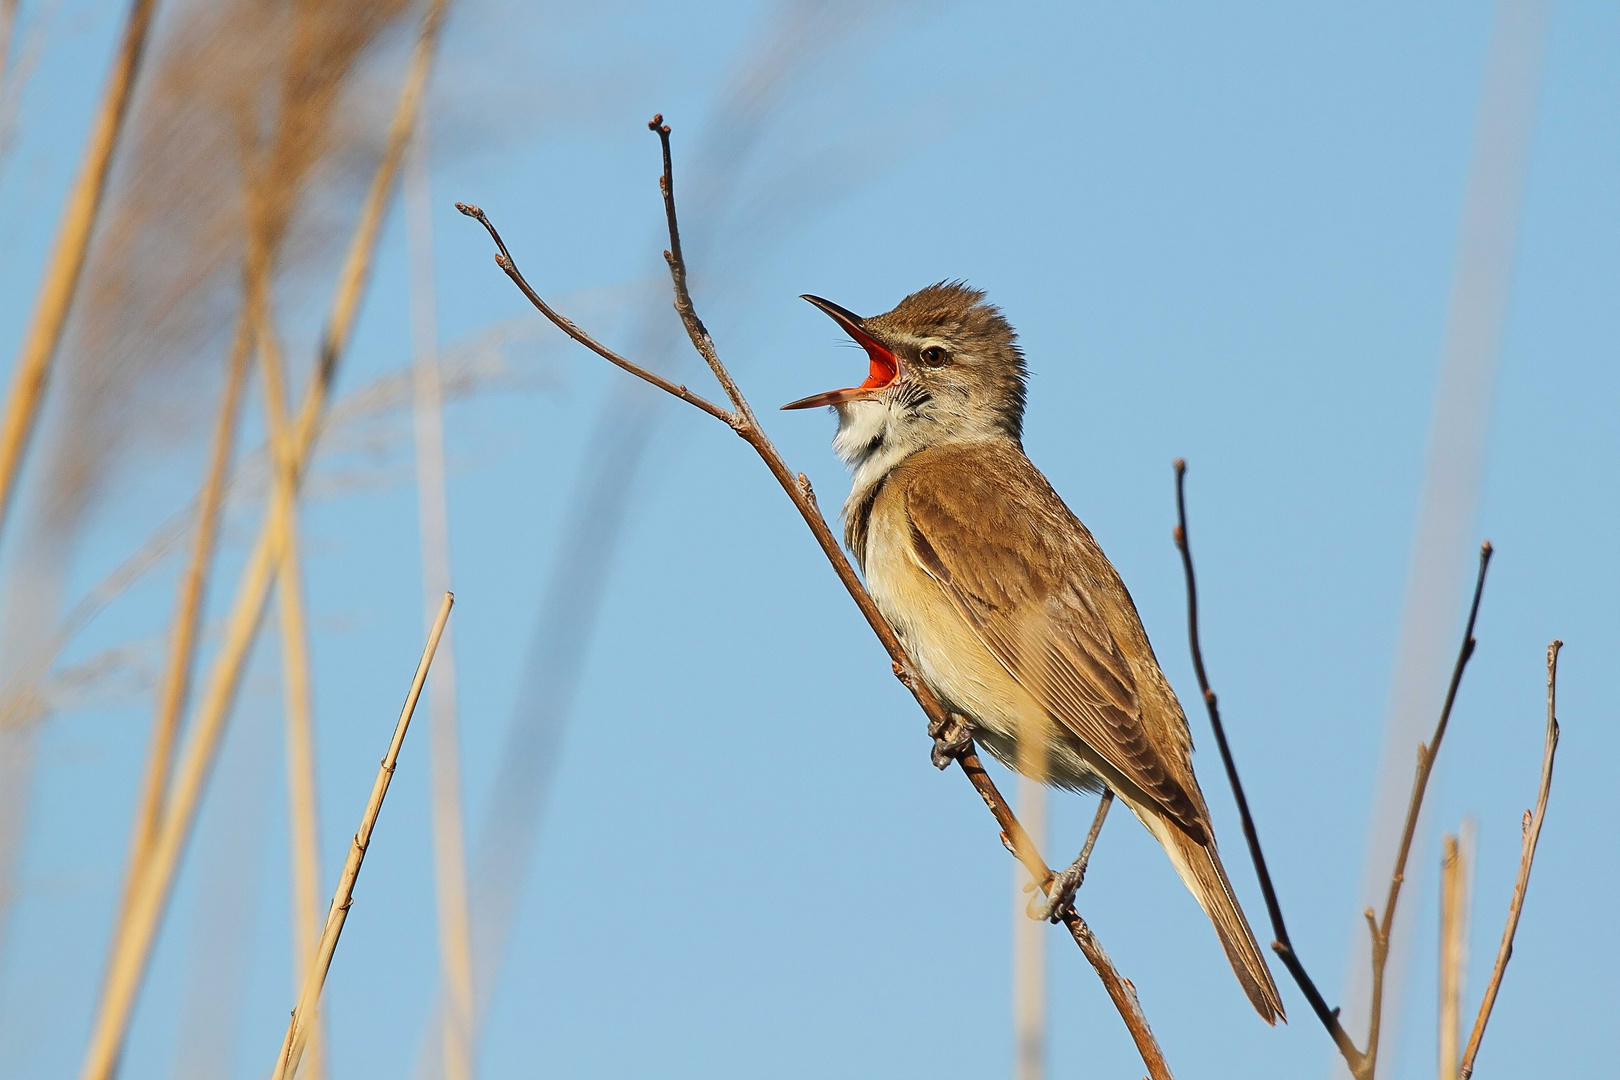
(1009, 609)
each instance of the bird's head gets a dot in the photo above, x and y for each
(944, 366)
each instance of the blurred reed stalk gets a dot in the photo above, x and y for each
(8, 24)
(302, 818)
(1458, 431)
(1455, 871)
(132, 947)
(1028, 945)
(298, 1028)
(449, 836)
(66, 262)
(182, 653)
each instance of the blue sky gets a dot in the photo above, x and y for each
(1225, 233)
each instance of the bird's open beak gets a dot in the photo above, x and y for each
(885, 368)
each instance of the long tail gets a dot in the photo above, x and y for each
(1200, 868)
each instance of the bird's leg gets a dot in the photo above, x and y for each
(1061, 894)
(951, 738)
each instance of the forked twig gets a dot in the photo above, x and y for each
(1527, 856)
(299, 1027)
(1362, 1065)
(740, 418)
(1382, 929)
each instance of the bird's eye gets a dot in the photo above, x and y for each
(933, 356)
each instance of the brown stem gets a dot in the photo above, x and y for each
(798, 490)
(1283, 946)
(1420, 784)
(503, 259)
(1527, 856)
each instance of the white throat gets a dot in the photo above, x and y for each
(874, 435)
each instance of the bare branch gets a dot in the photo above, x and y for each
(1527, 856)
(504, 260)
(1420, 784)
(701, 341)
(1283, 946)
(798, 490)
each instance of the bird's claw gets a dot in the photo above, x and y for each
(951, 738)
(1059, 897)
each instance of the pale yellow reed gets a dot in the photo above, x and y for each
(61, 276)
(449, 835)
(292, 1046)
(132, 949)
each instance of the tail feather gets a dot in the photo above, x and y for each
(1200, 868)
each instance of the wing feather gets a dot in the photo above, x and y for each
(1002, 547)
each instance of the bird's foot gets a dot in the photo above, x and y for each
(951, 739)
(1059, 895)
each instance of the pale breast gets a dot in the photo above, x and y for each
(956, 665)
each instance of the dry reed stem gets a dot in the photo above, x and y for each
(132, 949)
(178, 670)
(292, 1046)
(1454, 872)
(740, 418)
(1527, 857)
(467, 372)
(449, 836)
(61, 276)
(303, 819)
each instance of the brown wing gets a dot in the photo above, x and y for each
(1011, 558)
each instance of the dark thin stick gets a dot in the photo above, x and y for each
(1283, 946)
(1362, 1065)
(798, 489)
(1527, 856)
(1420, 783)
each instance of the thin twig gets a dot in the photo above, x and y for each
(61, 277)
(503, 259)
(1382, 929)
(292, 1046)
(1283, 946)
(133, 947)
(798, 490)
(1527, 856)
